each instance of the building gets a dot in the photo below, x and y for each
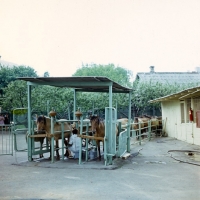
(169, 77)
(185, 79)
(179, 121)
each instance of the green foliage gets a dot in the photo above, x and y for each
(101, 100)
(58, 98)
(117, 74)
(19, 111)
(146, 91)
(46, 74)
(16, 95)
(8, 74)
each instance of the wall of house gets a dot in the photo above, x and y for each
(174, 128)
(170, 115)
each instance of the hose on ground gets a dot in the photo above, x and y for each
(189, 151)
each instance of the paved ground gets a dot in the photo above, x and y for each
(149, 173)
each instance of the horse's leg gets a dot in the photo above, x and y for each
(50, 153)
(41, 144)
(57, 150)
(66, 145)
(98, 146)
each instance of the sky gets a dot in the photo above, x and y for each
(59, 36)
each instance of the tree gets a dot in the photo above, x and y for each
(16, 95)
(145, 91)
(46, 74)
(117, 74)
(8, 74)
(100, 101)
(14, 90)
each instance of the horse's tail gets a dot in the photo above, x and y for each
(26, 136)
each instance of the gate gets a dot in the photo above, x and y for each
(110, 135)
(122, 148)
(20, 128)
(6, 140)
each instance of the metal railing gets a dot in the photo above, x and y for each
(6, 140)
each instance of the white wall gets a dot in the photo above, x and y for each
(171, 115)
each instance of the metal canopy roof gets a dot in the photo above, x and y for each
(184, 94)
(80, 83)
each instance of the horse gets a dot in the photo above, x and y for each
(124, 122)
(143, 125)
(98, 129)
(44, 124)
(144, 120)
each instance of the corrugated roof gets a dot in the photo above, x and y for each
(184, 94)
(80, 83)
(169, 77)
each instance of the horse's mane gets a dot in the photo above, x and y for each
(100, 120)
(41, 118)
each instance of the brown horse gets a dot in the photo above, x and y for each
(44, 124)
(143, 125)
(98, 129)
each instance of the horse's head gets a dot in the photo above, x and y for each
(41, 123)
(94, 120)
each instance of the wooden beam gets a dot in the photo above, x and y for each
(38, 135)
(91, 137)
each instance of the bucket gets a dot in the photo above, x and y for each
(93, 154)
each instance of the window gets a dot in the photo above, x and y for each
(196, 106)
(182, 113)
(188, 106)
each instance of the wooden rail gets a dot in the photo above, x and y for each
(38, 135)
(91, 137)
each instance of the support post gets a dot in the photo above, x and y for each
(140, 133)
(62, 132)
(80, 149)
(29, 124)
(74, 117)
(129, 124)
(52, 140)
(149, 130)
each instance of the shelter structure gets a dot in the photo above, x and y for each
(181, 114)
(79, 84)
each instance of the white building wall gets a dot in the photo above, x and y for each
(171, 114)
(196, 133)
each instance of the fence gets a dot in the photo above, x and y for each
(6, 140)
(146, 133)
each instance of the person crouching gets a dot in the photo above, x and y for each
(73, 144)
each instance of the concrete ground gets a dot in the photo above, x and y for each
(149, 173)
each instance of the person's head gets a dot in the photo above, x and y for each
(75, 131)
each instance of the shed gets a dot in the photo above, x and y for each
(175, 113)
(79, 84)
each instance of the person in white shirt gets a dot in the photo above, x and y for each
(74, 143)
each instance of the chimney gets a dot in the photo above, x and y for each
(151, 69)
(198, 69)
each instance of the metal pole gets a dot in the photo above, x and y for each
(47, 107)
(74, 117)
(52, 139)
(29, 123)
(129, 123)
